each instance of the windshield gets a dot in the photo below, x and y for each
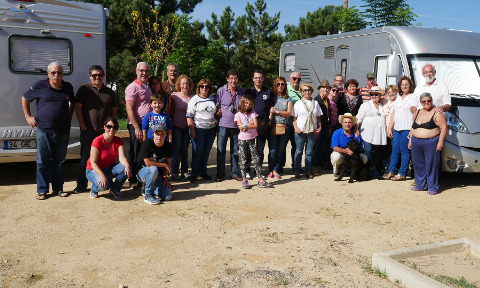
(460, 74)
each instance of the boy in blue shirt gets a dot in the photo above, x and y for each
(156, 116)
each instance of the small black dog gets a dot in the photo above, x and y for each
(353, 164)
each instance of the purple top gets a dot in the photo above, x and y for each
(227, 102)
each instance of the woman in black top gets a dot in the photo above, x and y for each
(350, 101)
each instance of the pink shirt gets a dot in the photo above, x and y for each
(140, 93)
(246, 119)
(181, 104)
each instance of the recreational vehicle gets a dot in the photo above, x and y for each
(392, 52)
(34, 33)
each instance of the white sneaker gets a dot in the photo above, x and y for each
(186, 175)
(247, 175)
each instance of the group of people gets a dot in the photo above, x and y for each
(164, 117)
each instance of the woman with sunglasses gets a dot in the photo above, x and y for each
(277, 140)
(101, 168)
(201, 122)
(426, 141)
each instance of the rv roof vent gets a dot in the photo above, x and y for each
(329, 52)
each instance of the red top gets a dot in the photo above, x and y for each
(108, 151)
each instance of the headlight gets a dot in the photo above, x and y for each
(455, 123)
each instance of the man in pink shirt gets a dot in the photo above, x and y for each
(137, 99)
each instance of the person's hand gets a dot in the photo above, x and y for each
(192, 133)
(357, 133)
(439, 146)
(166, 183)
(103, 181)
(317, 131)
(298, 131)
(348, 151)
(31, 121)
(273, 110)
(390, 134)
(439, 110)
(139, 134)
(128, 172)
(168, 169)
(219, 112)
(410, 144)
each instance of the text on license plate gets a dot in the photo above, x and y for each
(20, 144)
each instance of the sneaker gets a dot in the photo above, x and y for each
(186, 175)
(143, 190)
(93, 194)
(206, 177)
(264, 184)
(176, 177)
(247, 175)
(245, 184)
(151, 200)
(79, 189)
(270, 175)
(116, 195)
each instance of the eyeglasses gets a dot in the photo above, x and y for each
(114, 127)
(307, 90)
(56, 72)
(97, 75)
(334, 90)
(375, 95)
(280, 84)
(426, 101)
(204, 86)
(295, 79)
(143, 70)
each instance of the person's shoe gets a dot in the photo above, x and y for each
(79, 189)
(193, 180)
(245, 184)
(247, 175)
(238, 178)
(270, 175)
(143, 190)
(151, 200)
(309, 175)
(219, 179)
(297, 175)
(186, 175)
(336, 175)
(206, 177)
(116, 195)
(276, 175)
(176, 177)
(93, 194)
(264, 184)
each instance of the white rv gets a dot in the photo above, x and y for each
(392, 52)
(34, 33)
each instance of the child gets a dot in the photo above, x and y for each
(156, 116)
(246, 120)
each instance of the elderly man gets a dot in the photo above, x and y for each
(440, 94)
(293, 89)
(55, 105)
(168, 88)
(339, 82)
(95, 102)
(365, 90)
(137, 99)
(340, 140)
(227, 99)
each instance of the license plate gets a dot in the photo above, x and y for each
(20, 144)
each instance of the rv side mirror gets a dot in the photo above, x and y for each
(393, 63)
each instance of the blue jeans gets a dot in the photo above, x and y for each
(225, 134)
(371, 151)
(277, 145)
(86, 139)
(301, 140)
(202, 144)
(51, 152)
(400, 153)
(154, 183)
(181, 141)
(113, 172)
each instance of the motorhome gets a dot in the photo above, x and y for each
(34, 33)
(392, 52)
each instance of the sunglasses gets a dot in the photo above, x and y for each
(295, 79)
(280, 84)
(375, 95)
(426, 101)
(97, 75)
(114, 127)
(56, 72)
(143, 71)
(334, 90)
(204, 86)
(307, 90)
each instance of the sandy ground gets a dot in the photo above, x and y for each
(302, 233)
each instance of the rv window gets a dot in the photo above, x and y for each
(343, 68)
(289, 62)
(33, 54)
(381, 69)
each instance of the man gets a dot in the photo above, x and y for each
(154, 164)
(293, 89)
(263, 99)
(440, 94)
(95, 102)
(340, 140)
(137, 99)
(169, 87)
(321, 148)
(339, 82)
(227, 99)
(365, 90)
(55, 105)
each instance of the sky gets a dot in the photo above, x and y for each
(459, 15)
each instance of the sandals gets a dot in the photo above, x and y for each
(41, 196)
(430, 192)
(62, 193)
(398, 178)
(389, 176)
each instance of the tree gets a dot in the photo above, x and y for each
(389, 12)
(351, 19)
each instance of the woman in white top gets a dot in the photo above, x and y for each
(371, 122)
(392, 93)
(201, 111)
(398, 129)
(306, 122)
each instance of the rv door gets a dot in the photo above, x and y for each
(342, 60)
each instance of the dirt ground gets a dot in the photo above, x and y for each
(302, 233)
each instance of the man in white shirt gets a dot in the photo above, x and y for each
(440, 94)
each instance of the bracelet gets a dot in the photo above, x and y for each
(244, 127)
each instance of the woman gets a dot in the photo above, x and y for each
(307, 124)
(427, 136)
(350, 101)
(332, 97)
(371, 123)
(180, 128)
(392, 92)
(398, 129)
(279, 113)
(201, 122)
(168, 104)
(101, 166)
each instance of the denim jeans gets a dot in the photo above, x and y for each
(154, 183)
(225, 134)
(301, 140)
(86, 139)
(321, 151)
(277, 145)
(116, 172)
(181, 141)
(202, 144)
(400, 153)
(51, 152)
(371, 151)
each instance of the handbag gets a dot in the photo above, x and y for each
(277, 129)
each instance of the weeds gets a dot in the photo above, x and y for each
(282, 282)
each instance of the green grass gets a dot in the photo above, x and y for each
(122, 123)
(282, 282)
(367, 267)
(460, 282)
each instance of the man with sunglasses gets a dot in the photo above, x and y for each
(95, 102)
(55, 106)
